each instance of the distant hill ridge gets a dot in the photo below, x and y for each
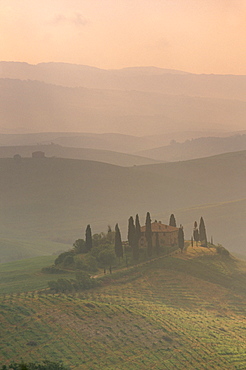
(151, 78)
(133, 78)
(55, 150)
(197, 148)
(27, 105)
(107, 141)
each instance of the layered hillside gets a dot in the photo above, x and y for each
(185, 311)
(53, 199)
(139, 78)
(197, 148)
(55, 150)
(31, 106)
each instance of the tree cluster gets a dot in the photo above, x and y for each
(199, 233)
(83, 281)
(104, 249)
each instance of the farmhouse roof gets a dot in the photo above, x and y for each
(158, 227)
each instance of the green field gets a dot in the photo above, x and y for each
(25, 275)
(17, 249)
(185, 311)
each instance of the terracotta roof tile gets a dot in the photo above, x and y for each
(159, 227)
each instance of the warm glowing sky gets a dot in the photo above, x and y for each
(201, 36)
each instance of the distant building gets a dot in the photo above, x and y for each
(168, 235)
(38, 154)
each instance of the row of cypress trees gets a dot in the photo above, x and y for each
(134, 235)
(199, 233)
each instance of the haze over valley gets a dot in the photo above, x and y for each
(122, 185)
(128, 117)
(137, 103)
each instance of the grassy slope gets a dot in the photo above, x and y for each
(175, 313)
(14, 249)
(25, 275)
(224, 221)
(211, 171)
(53, 199)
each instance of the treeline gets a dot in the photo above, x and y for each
(82, 281)
(103, 250)
(107, 251)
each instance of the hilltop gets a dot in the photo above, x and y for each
(182, 310)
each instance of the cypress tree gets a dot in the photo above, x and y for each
(110, 234)
(138, 228)
(181, 238)
(132, 238)
(118, 243)
(157, 244)
(137, 237)
(202, 233)
(172, 221)
(131, 232)
(148, 234)
(196, 233)
(88, 238)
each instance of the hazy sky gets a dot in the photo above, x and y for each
(202, 36)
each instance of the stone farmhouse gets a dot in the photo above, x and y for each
(168, 235)
(38, 154)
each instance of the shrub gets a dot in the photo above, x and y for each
(222, 251)
(84, 281)
(60, 259)
(61, 286)
(52, 270)
(106, 258)
(88, 263)
(45, 365)
(68, 260)
(79, 246)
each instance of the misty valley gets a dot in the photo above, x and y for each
(122, 218)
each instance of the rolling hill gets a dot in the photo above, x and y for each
(197, 148)
(106, 141)
(55, 150)
(210, 172)
(225, 222)
(27, 106)
(181, 311)
(53, 199)
(139, 78)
